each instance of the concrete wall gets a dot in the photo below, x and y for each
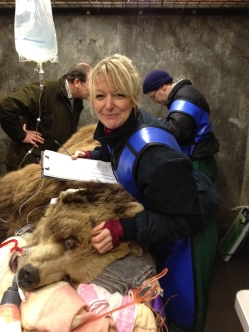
(208, 49)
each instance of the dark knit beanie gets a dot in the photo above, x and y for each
(155, 79)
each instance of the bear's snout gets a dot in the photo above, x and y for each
(28, 277)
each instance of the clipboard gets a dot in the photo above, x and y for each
(242, 308)
(237, 232)
(61, 167)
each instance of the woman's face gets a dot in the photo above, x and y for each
(112, 109)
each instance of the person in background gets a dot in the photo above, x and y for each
(37, 116)
(179, 202)
(188, 118)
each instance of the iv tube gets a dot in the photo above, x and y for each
(41, 75)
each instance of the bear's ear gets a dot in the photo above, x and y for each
(132, 209)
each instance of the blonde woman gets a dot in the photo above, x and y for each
(180, 203)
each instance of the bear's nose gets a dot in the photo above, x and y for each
(28, 277)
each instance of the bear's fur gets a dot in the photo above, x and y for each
(25, 195)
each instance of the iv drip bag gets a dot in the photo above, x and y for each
(35, 36)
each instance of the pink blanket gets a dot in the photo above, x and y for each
(58, 308)
(101, 301)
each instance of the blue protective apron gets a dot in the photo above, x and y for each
(202, 120)
(178, 283)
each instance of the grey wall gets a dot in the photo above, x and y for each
(209, 50)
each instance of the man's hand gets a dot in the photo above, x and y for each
(33, 137)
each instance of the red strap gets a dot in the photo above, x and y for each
(116, 231)
(87, 154)
(14, 248)
(107, 131)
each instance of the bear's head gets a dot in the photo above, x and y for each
(60, 247)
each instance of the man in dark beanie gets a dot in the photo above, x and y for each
(188, 118)
(40, 114)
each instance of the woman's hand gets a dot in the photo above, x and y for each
(78, 154)
(110, 234)
(103, 241)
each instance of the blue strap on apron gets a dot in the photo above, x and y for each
(177, 256)
(201, 118)
(141, 139)
(178, 284)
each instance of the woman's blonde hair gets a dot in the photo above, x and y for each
(120, 75)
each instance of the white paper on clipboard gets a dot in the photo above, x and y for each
(62, 167)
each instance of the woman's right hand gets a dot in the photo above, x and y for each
(78, 154)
